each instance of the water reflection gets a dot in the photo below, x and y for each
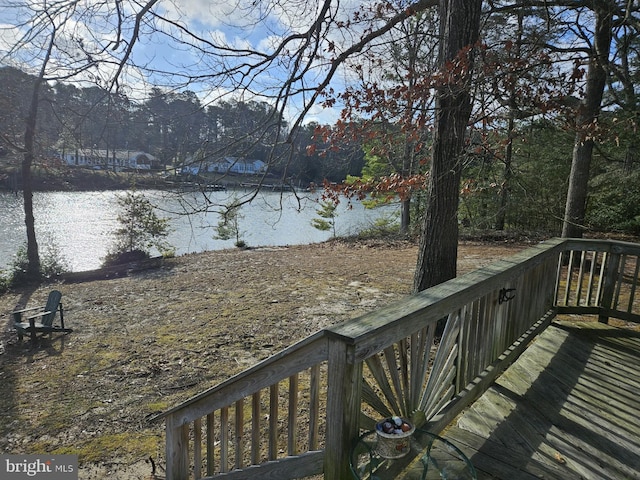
(80, 224)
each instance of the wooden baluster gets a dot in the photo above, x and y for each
(634, 285)
(610, 282)
(197, 448)
(224, 439)
(273, 421)
(567, 292)
(314, 407)
(239, 444)
(592, 276)
(255, 428)
(580, 278)
(619, 281)
(292, 438)
(211, 443)
(601, 280)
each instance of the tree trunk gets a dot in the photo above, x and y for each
(575, 208)
(33, 256)
(508, 154)
(506, 179)
(459, 27)
(405, 216)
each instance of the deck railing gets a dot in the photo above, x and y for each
(296, 413)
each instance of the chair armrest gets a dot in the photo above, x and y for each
(41, 314)
(27, 309)
(17, 314)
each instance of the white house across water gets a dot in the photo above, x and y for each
(110, 159)
(237, 165)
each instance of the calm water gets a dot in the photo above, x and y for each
(79, 225)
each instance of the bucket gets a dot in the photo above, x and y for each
(394, 445)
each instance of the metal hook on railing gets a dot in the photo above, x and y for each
(506, 294)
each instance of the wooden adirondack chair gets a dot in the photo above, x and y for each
(40, 319)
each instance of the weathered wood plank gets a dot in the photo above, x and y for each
(373, 332)
(292, 418)
(211, 444)
(177, 448)
(224, 440)
(273, 421)
(369, 394)
(238, 440)
(255, 428)
(197, 449)
(568, 423)
(344, 402)
(495, 461)
(634, 285)
(583, 396)
(561, 411)
(314, 407)
(304, 465)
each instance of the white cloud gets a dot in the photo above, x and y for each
(208, 13)
(258, 26)
(8, 37)
(322, 116)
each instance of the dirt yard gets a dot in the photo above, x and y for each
(146, 342)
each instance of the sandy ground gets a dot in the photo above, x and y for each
(145, 342)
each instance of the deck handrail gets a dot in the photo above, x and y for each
(385, 362)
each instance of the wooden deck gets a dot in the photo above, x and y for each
(569, 408)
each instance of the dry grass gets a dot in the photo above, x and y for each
(146, 342)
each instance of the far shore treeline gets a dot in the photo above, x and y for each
(179, 131)
(176, 128)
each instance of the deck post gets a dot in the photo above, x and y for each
(177, 449)
(343, 408)
(610, 279)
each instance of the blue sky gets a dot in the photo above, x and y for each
(217, 21)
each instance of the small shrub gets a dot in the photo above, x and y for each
(383, 227)
(52, 264)
(4, 282)
(52, 261)
(327, 221)
(140, 230)
(229, 225)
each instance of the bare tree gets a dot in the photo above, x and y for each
(50, 28)
(581, 40)
(294, 72)
(49, 40)
(596, 81)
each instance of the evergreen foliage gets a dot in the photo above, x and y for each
(537, 191)
(615, 202)
(140, 230)
(229, 226)
(52, 265)
(327, 213)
